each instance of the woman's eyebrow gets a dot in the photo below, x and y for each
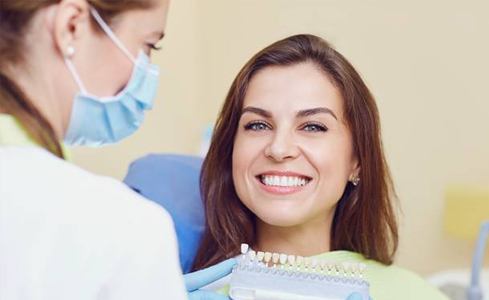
(300, 114)
(314, 111)
(256, 110)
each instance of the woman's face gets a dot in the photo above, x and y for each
(293, 153)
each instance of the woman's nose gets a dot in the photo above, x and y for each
(282, 146)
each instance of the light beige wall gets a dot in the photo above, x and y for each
(425, 61)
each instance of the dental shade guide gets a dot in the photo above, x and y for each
(269, 276)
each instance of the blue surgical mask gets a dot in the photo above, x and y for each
(96, 120)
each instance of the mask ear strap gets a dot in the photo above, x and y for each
(111, 34)
(76, 77)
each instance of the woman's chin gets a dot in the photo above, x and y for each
(281, 219)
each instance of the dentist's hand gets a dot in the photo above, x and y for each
(194, 281)
(356, 296)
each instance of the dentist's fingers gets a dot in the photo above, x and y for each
(206, 295)
(196, 280)
(354, 296)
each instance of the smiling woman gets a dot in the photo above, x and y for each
(299, 106)
(296, 166)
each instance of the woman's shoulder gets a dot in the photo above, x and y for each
(390, 281)
(394, 282)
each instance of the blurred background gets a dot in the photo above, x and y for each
(425, 61)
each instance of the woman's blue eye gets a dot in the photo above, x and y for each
(257, 126)
(315, 128)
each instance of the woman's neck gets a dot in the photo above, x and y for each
(307, 239)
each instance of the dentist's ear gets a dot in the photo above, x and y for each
(68, 20)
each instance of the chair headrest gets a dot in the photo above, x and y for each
(172, 181)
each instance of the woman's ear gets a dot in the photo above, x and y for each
(69, 22)
(355, 172)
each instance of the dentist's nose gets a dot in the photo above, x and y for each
(282, 146)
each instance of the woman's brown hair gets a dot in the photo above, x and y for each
(15, 17)
(364, 219)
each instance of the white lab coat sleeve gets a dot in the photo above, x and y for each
(68, 234)
(151, 267)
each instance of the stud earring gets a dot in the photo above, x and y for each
(70, 51)
(355, 180)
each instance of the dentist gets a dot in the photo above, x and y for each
(79, 71)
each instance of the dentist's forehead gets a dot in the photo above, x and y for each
(154, 17)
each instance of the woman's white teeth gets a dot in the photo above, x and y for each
(286, 181)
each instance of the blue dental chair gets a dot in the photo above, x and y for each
(172, 181)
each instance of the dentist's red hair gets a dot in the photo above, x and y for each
(365, 219)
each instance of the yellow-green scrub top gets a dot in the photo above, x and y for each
(12, 133)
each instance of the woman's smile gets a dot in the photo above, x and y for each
(282, 182)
